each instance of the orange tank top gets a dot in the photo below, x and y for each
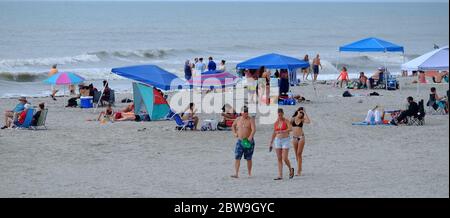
(281, 127)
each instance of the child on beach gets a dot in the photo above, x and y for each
(343, 77)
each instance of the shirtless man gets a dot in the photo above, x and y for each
(316, 65)
(244, 128)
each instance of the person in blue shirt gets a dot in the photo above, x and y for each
(9, 114)
(200, 66)
(211, 64)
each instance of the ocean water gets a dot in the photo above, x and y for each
(90, 38)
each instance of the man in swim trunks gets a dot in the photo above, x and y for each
(244, 128)
(316, 65)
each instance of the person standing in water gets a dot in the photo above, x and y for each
(316, 65)
(52, 72)
(298, 137)
(244, 129)
(281, 140)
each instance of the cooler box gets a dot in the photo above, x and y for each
(86, 101)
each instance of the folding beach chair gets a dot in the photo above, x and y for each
(419, 118)
(181, 124)
(41, 120)
(27, 123)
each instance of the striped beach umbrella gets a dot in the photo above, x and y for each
(213, 80)
(64, 78)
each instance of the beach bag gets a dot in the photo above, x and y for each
(346, 94)
(72, 102)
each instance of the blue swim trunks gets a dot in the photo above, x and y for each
(240, 151)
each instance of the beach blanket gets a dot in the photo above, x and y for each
(368, 124)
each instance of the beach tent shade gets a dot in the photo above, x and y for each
(433, 60)
(64, 78)
(371, 45)
(273, 61)
(213, 79)
(150, 75)
(148, 98)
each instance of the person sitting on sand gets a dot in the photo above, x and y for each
(440, 76)
(11, 114)
(190, 114)
(422, 77)
(362, 81)
(107, 115)
(106, 93)
(435, 101)
(244, 130)
(413, 109)
(20, 118)
(37, 115)
(375, 77)
(343, 76)
(281, 140)
(229, 115)
(375, 116)
(298, 137)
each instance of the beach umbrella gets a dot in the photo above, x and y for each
(64, 78)
(211, 79)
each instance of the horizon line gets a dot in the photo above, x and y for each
(256, 1)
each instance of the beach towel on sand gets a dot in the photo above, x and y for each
(369, 124)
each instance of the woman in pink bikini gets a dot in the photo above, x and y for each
(298, 137)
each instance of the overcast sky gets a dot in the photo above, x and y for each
(262, 0)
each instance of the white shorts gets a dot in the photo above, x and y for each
(283, 143)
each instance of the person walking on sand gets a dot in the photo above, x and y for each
(281, 140)
(298, 137)
(52, 72)
(316, 65)
(306, 70)
(244, 129)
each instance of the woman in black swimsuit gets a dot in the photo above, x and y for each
(298, 137)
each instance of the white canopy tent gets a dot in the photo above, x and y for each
(436, 60)
(433, 60)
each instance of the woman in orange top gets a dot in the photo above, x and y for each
(343, 76)
(281, 141)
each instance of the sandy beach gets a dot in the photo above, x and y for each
(79, 158)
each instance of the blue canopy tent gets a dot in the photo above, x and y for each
(275, 61)
(150, 75)
(370, 44)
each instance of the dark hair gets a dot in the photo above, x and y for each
(297, 111)
(105, 83)
(191, 105)
(210, 58)
(42, 105)
(54, 66)
(344, 68)
(433, 89)
(223, 61)
(245, 109)
(200, 59)
(280, 110)
(410, 98)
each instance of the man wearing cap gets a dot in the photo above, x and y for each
(11, 113)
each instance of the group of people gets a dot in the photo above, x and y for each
(198, 67)
(17, 116)
(244, 129)
(316, 66)
(363, 82)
